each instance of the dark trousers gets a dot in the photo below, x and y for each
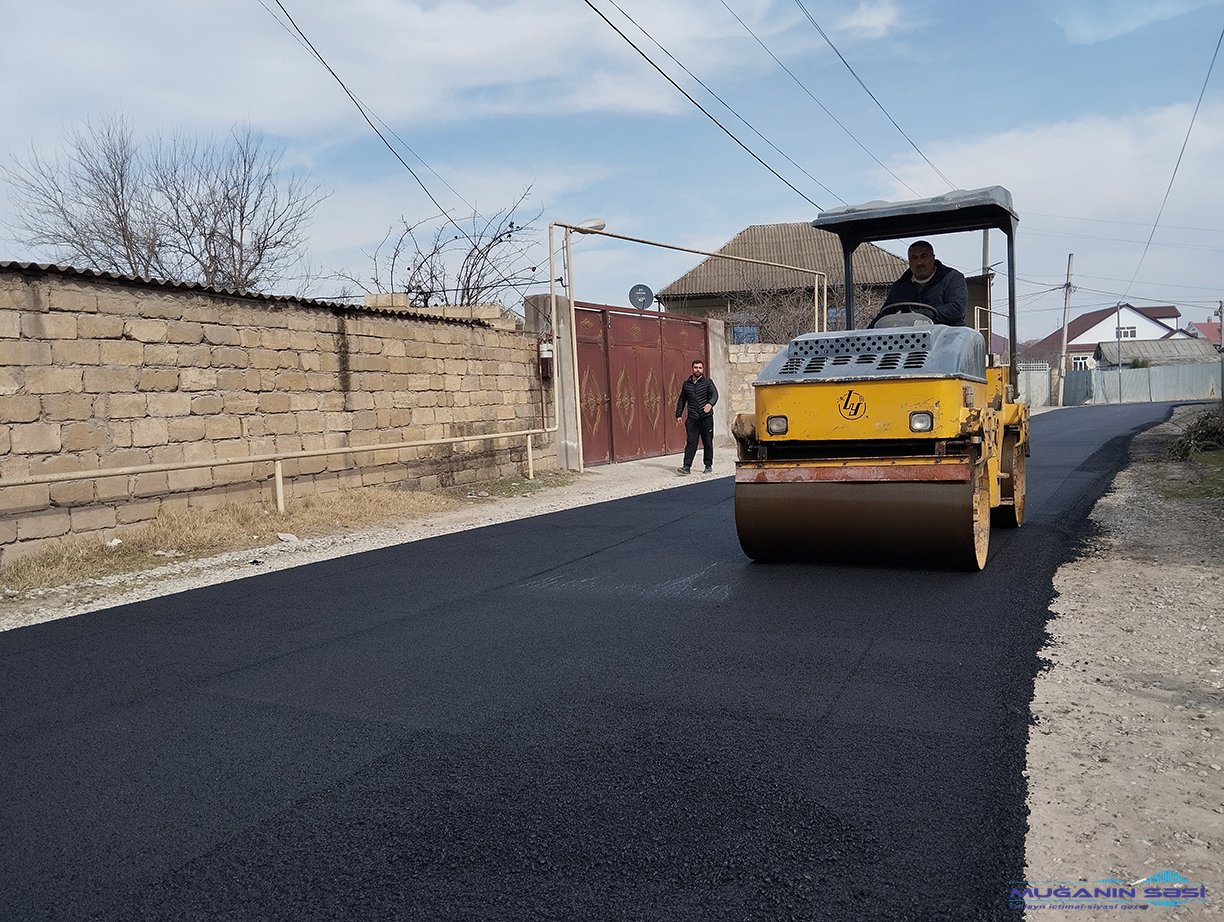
(701, 427)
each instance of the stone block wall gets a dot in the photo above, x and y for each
(746, 361)
(101, 372)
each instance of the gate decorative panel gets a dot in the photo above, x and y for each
(635, 362)
(627, 402)
(594, 397)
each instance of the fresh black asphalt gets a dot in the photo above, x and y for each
(605, 713)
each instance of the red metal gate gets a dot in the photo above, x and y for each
(630, 367)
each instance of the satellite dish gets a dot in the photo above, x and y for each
(640, 296)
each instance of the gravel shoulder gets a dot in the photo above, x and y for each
(1126, 753)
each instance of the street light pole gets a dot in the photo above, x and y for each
(573, 315)
(592, 225)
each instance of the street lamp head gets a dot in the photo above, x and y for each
(595, 224)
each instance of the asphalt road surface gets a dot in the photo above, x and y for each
(606, 713)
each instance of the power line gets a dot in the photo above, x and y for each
(362, 108)
(706, 112)
(1064, 217)
(829, 41)
(1150, 242)
(824, 108)
(1125, 294)
(1110, 278)
(300, 39)
(1177, 165)
(725, 104)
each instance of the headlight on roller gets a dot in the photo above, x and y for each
(776, 425)
(922, 421)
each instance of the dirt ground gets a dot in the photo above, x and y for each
(1125, 757)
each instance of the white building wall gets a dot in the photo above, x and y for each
(1105, 331)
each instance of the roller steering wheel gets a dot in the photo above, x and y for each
(906, 307)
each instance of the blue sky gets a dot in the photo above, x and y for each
(1079, 107)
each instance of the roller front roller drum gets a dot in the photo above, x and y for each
(942, 524)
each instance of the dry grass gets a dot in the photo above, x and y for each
(196, 533)
(487, 492)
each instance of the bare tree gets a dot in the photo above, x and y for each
(440, 261)
(221, 213)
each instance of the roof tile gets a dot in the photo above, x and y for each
(797, 244)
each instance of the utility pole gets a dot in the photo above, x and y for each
(1118, 334)
(1220, 316)
(1062, 356)
(986, 285)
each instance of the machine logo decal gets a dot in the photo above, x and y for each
(851, 405)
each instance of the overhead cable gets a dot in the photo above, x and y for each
(361, 104)
(812, 95)
(366, 115)
(1177, 165)
(704, 111)
(880, 105)
(1065, 217)
(726, 105)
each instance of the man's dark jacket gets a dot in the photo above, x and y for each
(695, 395)
(945, 291)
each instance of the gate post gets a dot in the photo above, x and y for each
(569, 454)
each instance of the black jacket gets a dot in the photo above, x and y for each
(695, 395)
(946, 291)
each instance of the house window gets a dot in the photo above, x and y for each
(741, 334)
(1126, 332)
(1080, 362)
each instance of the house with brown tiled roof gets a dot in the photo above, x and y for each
(769, 304)
(1108, 324)
(1209, 331)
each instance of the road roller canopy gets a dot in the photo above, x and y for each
(953, 212)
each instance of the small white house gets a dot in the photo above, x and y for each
(1124, 323)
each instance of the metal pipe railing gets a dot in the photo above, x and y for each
(276, 458)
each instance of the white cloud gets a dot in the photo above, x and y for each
(412, 62)
(1110, 174)
(872, 19)
(1085, 23)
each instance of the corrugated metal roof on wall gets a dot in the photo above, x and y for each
(143, 282)
(1159, 351)
(794, 244)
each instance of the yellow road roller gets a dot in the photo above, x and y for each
(900, 443)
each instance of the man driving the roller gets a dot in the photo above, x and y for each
(928, 281)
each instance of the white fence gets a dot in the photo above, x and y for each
(1033, 383)
(1156, 383)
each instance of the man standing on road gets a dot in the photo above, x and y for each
(699, 394)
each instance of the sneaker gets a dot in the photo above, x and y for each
(683, 470)
(708, 470)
